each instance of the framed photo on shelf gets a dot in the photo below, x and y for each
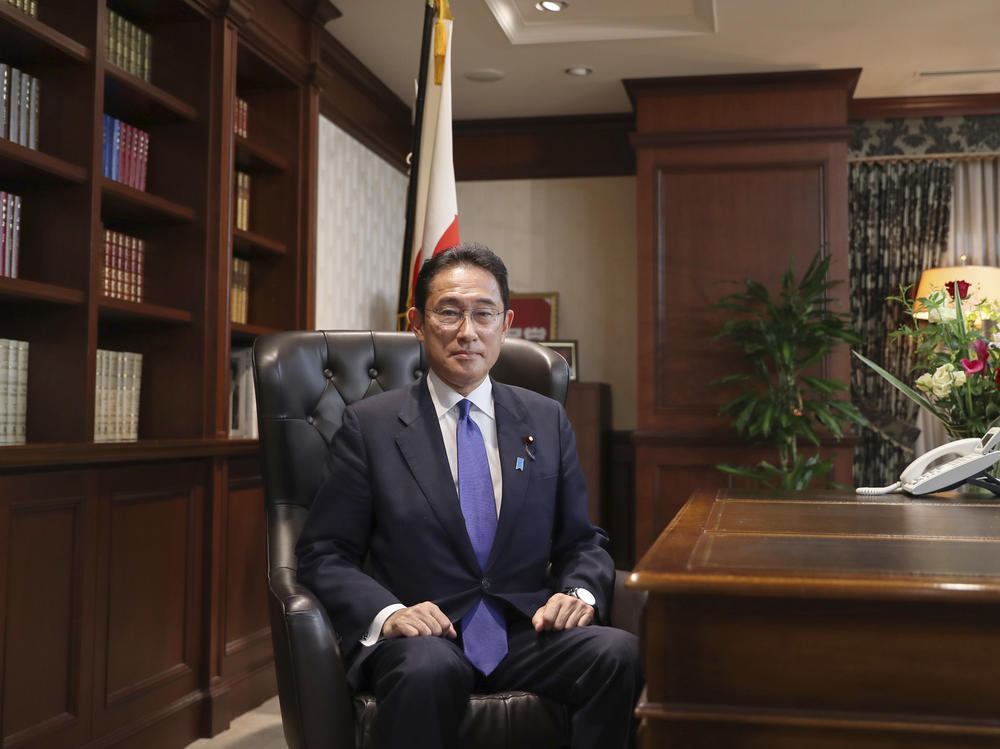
(535, 315)
(567, 350)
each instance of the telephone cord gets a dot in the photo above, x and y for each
(874, 490)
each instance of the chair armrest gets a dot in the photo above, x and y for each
(628, 606)
(316, 706)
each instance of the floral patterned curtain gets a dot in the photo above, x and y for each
(899, 217)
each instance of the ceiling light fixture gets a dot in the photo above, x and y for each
(485, 75)
(579, 70)
(550, 6)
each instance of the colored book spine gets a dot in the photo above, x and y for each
(14, 219)
(33, 114)
(4, 99)
(14, 118)
(5, 420)
(21, 396)
(4, 250)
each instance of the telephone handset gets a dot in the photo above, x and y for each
(974, 458)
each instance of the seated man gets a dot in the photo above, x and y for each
(486, 574)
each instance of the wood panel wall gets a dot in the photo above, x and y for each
(736, 176)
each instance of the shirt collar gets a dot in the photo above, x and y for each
(445, 398)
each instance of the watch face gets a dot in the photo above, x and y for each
(584, 595)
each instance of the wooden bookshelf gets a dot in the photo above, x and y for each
(142, 557)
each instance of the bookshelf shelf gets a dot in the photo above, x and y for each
(27, 41)
(119, 309)
(244, 333)
(20, 165)
(251, 244)
(128, 204)
(253, 157)
(130, 98)
(22, 290)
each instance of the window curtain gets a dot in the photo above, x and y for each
(898, 225)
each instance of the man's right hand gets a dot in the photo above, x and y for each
(423, 620)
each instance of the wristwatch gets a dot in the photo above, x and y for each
(583, 594)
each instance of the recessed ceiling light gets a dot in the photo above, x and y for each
(579, 70)
(550, 6)
(485, 75)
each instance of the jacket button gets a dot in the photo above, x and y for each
(373, 372)
(309, 419)
(484, 584)
(327, 373)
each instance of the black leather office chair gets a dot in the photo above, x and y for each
(304, 381)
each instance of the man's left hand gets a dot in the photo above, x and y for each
(562, 612)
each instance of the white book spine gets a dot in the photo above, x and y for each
(23, 109)
(21, 409)
(14, 250)
(5, 347)
(14, 104)
(4, 99)
(135, 392)
(101, 398)
(33, 114)
(11, 407)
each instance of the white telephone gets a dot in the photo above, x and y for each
(975, 458)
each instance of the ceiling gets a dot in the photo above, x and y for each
(892, 41)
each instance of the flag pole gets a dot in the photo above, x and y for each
(411, 190)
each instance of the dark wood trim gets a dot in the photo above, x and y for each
(543, 147)
(923, 106)
(655, 140)
(51, 456)
(317, 11)
(353, 98)
(840, 78)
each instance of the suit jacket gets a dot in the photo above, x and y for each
(389, 495)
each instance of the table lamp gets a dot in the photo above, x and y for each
(984, 284)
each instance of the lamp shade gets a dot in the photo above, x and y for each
(984, 284)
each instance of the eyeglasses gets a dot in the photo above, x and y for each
(451, 317)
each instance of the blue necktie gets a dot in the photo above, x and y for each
(484, 632)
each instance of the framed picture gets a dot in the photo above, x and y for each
(567, 350)
(534, 315)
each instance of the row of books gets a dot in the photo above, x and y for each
(241, 119)
(19, 97)
(124, 263)
(10, 233)
(242, 396)
(128, 46)
(124, 153)
(243, 201)
(239, 294)
(119, 383)
(13, 390)
(28, 6)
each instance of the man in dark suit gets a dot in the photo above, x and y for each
(467, 496)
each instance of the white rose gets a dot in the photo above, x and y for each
(924, 382)
(941, 381)
(958, 378)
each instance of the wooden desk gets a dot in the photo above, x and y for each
(790, 620)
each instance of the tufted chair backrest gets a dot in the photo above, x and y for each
(305, 380)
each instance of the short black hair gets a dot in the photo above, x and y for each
(467, 253)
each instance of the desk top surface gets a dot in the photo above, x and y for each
(828, 544)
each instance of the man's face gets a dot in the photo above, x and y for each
(463, 354)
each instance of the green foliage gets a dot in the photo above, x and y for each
(780, 405)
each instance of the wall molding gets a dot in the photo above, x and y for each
(902, 107)
(545, 147)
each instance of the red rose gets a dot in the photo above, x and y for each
(963, 289)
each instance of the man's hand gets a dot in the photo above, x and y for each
(562, 612)
(423, 620)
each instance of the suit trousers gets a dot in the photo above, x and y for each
(422, 684)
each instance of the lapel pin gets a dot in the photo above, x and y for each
(519, 465)
(529, 443)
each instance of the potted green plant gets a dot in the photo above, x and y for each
(780, 404)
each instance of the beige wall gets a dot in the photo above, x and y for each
(577, 237)
(360, 216)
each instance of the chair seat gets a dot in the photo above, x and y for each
(494, 721)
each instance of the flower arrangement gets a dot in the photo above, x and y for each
(957, 356)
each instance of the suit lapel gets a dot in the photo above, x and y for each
(511, 430)
(421, 446)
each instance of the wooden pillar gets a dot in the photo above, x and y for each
(736, 176)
